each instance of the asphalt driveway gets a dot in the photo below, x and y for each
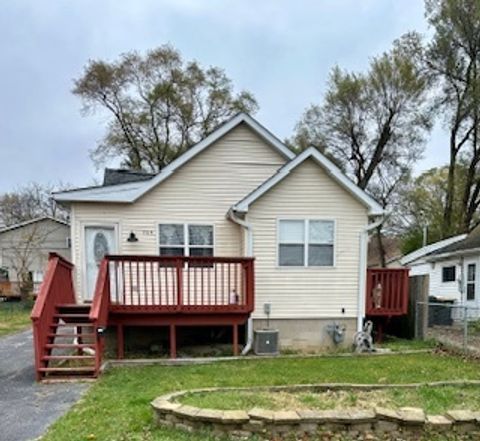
(28, 408)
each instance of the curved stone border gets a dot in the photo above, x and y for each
(361, 424)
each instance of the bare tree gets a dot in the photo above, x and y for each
(373, 124)
(160, 105)
(29, 202)
(453, 58)
(23, 250)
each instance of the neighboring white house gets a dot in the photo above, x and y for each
(453, 267)
(242, 192)
(24, 247)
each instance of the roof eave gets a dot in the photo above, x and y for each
(416, 255)
(146, 186)
(442, 256)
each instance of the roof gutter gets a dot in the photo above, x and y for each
(362, 276)
(249, 230)
(249, 253)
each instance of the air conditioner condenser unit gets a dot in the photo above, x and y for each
(266, 342)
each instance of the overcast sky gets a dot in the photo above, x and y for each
(280, 50)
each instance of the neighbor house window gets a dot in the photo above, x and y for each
(306, 242)
(185, 240)
(448, 274)
(471, 276)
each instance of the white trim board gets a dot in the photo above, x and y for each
(331, 169)
(33, 221)
(130, 192)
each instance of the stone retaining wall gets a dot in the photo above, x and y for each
(371, 424)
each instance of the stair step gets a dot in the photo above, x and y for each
(73, 305)
(69, 345)
(55, 379)
(73, 334)
(68, 315)
(82, 369)
(70, 310)
(85, 324)
(68, 357)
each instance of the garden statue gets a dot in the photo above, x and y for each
(363, 340)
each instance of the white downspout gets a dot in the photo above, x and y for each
(362, 277)
(248, 253)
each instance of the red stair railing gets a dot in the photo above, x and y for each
(387, 292)
(99, 311)
(57, 288)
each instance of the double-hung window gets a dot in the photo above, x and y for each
(306, 242)
(185, 240)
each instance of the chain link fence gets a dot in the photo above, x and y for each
(449, 323)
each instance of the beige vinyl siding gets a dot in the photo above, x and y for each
(201, 191)
(307, 292)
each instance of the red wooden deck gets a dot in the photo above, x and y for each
(161, 291)
(138, 291)
(387, 292)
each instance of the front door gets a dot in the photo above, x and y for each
(99, 241)
(471, 282)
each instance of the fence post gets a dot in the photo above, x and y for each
(416, 333)
(417, 317)
(465, 329)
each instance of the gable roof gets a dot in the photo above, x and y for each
(130, 192)
(470, 243)
(431, 248)
(331, 169)
(32, 221)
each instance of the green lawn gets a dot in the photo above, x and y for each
(116, 408)
(435, 400)
(14, 317)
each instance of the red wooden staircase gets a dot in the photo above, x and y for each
(65, 334)
(66, 351)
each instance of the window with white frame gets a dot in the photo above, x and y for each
(306, 242)
(185, 240)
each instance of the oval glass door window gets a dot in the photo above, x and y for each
(100, 247)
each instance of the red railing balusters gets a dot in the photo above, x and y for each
(394, 289)
(179, 283)
(56, 288)
(183, 283)
(215, 282)
(201, 286)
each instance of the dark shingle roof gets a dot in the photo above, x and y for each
(121, 176)
(472, 241)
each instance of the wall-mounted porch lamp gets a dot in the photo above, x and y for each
(132, 237)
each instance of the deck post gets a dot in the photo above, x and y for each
(235, 339)
(120, 342)
(173, 341)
